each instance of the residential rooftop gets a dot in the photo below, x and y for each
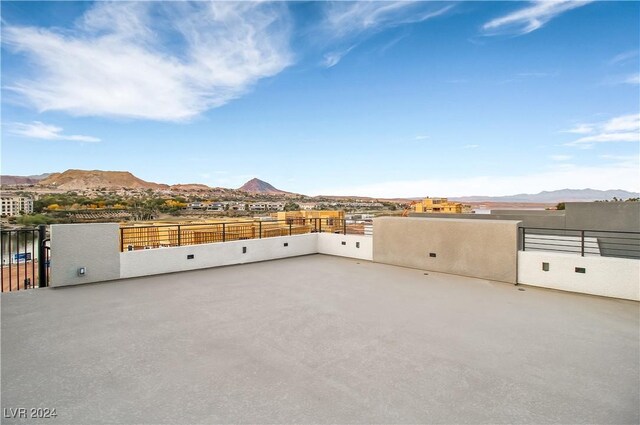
(319, 339)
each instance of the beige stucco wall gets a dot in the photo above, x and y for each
(92, 246)
(467, 247)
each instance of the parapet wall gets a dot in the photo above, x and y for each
(96, 249)
(476, 248)
(604, 276)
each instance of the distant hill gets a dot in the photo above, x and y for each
(259, 186)
(20, 180)
(190, 187)
(555, 196)
(84, 179)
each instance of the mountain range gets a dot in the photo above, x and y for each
(554, 196)
(16, 180)
(95, 179)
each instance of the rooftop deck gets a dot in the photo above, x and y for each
(319, 339)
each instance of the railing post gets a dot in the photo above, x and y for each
(42, 260)
(179, 235)
(320, 227)
(290, 227)
(582, 243)
(524, 238)
(260, 229)
(224, 235)
(344, 226)
(121, 239)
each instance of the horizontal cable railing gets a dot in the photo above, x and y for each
(134, 237)
(600, 243)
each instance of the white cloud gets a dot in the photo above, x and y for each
(560, 157)
(471, 146)
(617, 174)
(115, 61)
(632, 79)
(623, 57)
(530, 18)
(39, 130)
(625, 128)
(580, 129)
(343, 18)
(331, 59)
(352, 21)
(421, 137)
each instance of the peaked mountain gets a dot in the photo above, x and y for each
(84, 179)
(554, 196)
(259, 186)
(19, 180)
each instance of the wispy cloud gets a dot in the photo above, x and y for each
(623, 57)
(633, 79)
(331, 59)
(421, 137)
(613, 173)
(343, 18)
(560, 158)
(471, 146)
(530, 18)
(39, 130)
(625, 128)
(351, 22)
(580, 129)
(115, 61)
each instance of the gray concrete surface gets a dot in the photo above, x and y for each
(482, 249)
(319, 339)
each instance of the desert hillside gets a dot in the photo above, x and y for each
(84, 179)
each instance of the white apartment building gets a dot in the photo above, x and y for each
(14, 205)
(266, 206)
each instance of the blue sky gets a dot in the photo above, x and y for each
(383, 99)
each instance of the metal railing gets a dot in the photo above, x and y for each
(134, 237)
(25, 259)
(601, 243)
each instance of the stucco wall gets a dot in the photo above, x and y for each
(168, 260)
(528, 218)
(332, 244)
(620, 216)
(609, 277)
(92, 246)
(467, 247)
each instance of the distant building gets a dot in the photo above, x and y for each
(307, 206)
(197, 206)
(237, 206)
(266, 206)
(441, 205)
(305, 215)
(15, 205)
(216, 206)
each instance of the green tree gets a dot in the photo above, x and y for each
(291, 206)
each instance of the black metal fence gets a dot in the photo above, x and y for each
(25, 259)
(602, 243)
(134, 237)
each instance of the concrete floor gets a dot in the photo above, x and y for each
(319, 339)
